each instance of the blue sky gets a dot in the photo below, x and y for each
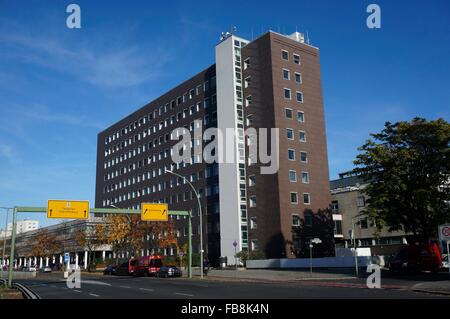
(59, 87)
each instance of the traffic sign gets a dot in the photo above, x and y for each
(316, 241)
(444, 232)
(66, 257)
(68, 209)
(154, 212)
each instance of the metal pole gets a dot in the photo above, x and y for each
(448, 255)
(4, 240)
(310, 257)
(190, 246)
(354, 247)
(200, 216)
(13, 242)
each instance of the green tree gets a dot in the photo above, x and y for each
(407, 166)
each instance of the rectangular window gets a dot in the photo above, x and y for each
(291, 155)
(290, 133)
(306, 199)
(251, 180)
(253, 223)
(301, 116)
(246, 63)
(249, 120)
(255, 245)
(292, 176)
(363, 223)
(302, 136)
(294, 198)
(308, 219)
(335, 206)
(287, 94)
(247, 81)
(285, 55)
(299, 96)
(286, 74)
(298, 77)
(248, 100)
(305, 177)
(288, 113)
(303, 157)
(295, 220)
(361, 201)
(296, 58)
(253, 201)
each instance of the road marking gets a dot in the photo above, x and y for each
(146, 289)
(182, 294)
(94, 295)
(127, 287)
(95, 282)
(77, 290)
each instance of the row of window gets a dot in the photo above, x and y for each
(295, 57)
(289, 113)
(303, 156)
(163, 109)
(293, 199)
(293, 177)
(164, 124)
(301, 135)
(288, 95)
(209, 172)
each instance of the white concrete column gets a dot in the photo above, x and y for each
(46, 261)
(86, 259)
(76, 261)
(103, 255)
(60, 259)
(374, 242)
(114, 255)
(54, 259)
(20, 262)
(41, 260)
(35, 261)
(404, 241)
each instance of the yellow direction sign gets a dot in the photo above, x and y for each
(154, 212)
(68, 209)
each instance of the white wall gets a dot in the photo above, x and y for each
(229, 196)
(326, 262)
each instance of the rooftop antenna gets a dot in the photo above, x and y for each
(233, 29)
(307, 37)
(252, 34)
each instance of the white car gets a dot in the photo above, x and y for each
(445, 263)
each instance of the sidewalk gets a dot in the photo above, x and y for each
(435, 287)
(277, 275)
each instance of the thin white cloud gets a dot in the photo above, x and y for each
(6, 151)
(112, 66)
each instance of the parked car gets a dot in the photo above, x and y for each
(148, 265)
(169, 271)
(46, 269)
(110, 270)
(29, 268)
(416, 258)
(127, 268)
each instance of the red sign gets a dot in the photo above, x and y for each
(446, 231)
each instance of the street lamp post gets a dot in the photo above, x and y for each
(354, 243)
(200, 215)
(4, 239)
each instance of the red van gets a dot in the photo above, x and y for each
(148, 265)
(416, 258)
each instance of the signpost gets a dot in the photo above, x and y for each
(444, 235)
(235, 255)
(313, 241)
(154, 212)
(68, 209)
(80, 210)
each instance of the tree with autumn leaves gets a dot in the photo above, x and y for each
(127, 233)
(44, 244)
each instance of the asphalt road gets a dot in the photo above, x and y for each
(52, 286)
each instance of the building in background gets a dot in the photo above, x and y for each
(348, 205)
(22, 226)
(270, 82)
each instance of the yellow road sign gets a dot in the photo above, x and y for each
(68, 209)
(154, 212)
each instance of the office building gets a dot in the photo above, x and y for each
(270, 82)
